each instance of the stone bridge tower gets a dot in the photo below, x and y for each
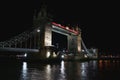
(44, 24)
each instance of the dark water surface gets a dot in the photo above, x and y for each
(91, 70)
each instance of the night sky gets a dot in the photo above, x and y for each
(98, 20)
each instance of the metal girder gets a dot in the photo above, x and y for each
(19, 38)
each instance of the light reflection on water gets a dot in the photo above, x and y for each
(62, 71)
(24, 71)
(91, 70)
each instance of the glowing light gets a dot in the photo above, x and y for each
(24, 66)
(24, 71)
(38, 30)
(79, 48)
(62, 67)
(48, 72)
(67, 28)
(48, 54)
(48, 69)
(25, 55)
(85, 56)
(54, 55)
(83, 50)
(53, 26)
(62, 56)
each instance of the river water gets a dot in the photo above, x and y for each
(89, 70)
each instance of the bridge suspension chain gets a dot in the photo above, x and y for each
(24, 36)
(84, 47)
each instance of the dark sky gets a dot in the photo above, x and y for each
(98, 20)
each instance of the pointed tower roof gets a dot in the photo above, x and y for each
(41, 16)
(43, 11)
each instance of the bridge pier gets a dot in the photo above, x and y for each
(46, 54)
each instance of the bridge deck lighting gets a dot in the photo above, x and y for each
(63, 27)
(67, 28)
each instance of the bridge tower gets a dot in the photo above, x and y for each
(74, 42)
(78, 40)
(43, 24)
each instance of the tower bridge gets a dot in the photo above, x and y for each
(39, 39)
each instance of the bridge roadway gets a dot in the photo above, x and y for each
(25, 50)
